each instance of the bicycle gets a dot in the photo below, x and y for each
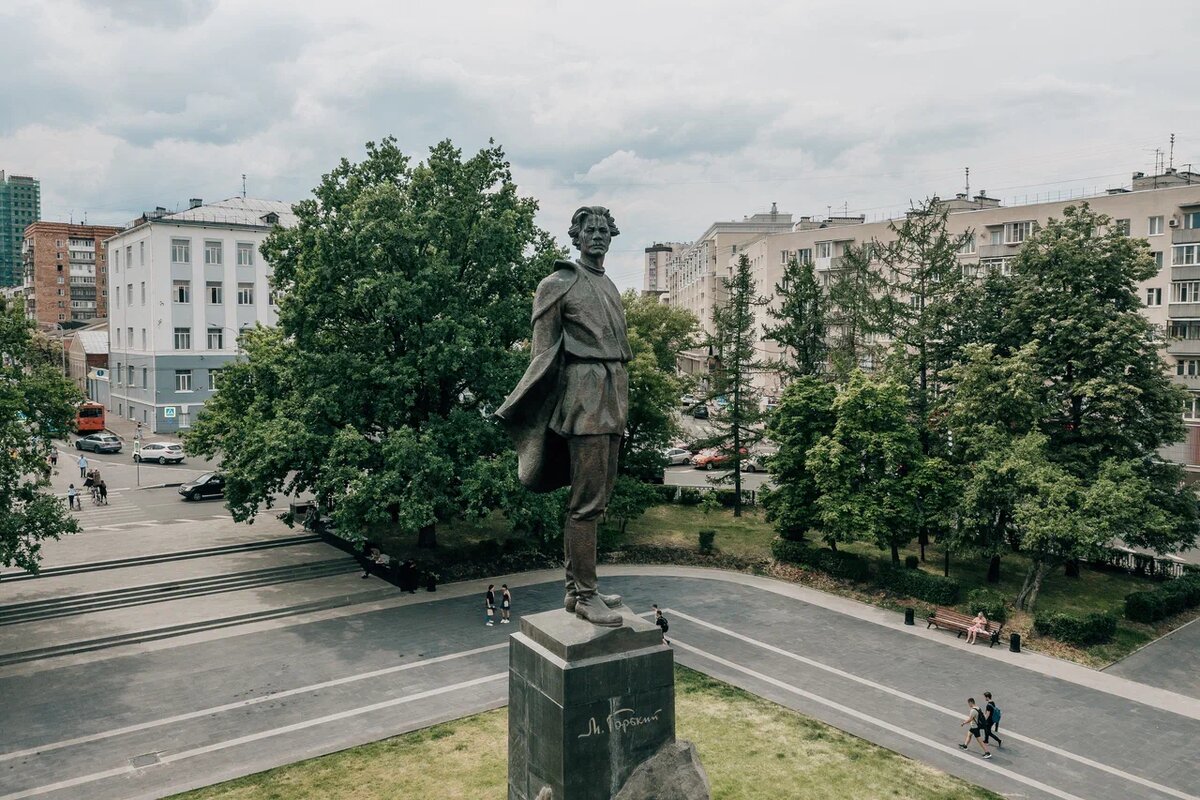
(96, 495)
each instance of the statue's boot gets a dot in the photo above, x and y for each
(588, 607)
(610, 600)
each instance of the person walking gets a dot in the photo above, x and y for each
(662, 624)
(505, 604)
(72, 497)
(489, 602)
(991, 720)
(975, 720)
(83, 464)
(54, 459)
(102, 487)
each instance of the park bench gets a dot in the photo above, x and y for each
(952, 620)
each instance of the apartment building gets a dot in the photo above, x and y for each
(1164, 210)
(20, 207)
(659, 258)
(64, 272)
(184, 286)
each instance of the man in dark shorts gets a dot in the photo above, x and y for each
(991, 720)
(505, 604)
(975, 720)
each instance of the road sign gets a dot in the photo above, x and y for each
(169, 412)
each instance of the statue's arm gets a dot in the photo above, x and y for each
(547, 326)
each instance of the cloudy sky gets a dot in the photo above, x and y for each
(673, 114)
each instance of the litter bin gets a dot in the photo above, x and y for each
(1014, 642)
(908, 616)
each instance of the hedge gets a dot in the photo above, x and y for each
(1168, 599)
(692, 496)
(990, 602)
(921, 585)
(1095, 628)
(836, 563)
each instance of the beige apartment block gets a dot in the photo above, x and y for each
(1166, 217)
(659, 258)
(65, 272)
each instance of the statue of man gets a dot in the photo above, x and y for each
(568, 413)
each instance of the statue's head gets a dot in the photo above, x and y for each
(592, 230)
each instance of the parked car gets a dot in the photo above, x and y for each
(210, 484)
(99, 443)
(708, 459)
(700, 411)
(677, 455)
(688, 400)
(162, 452)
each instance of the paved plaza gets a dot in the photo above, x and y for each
(266, 646)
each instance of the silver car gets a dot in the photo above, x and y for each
(677, 455)
(162, 452)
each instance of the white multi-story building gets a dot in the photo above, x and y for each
(182, 288)
(1164, 210)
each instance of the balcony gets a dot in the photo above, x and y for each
(1183, 347)
(1183, 311)
(1185, 235)
(998, 250)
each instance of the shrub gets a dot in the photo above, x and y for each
(667, 494)
(1170, 598)
(921, 585)
(833, 562)
(1095, 628)
(911, 562)
(689, 496)
(990, 602)
(706, 541)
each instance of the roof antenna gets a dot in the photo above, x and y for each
(243, 186)
(1171, 164)
(967, 185)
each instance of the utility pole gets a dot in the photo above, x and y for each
(243, 186)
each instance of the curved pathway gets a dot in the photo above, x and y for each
(145, 718)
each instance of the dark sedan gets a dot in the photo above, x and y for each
(210, 484)
(99, 443)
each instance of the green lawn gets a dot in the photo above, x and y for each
(752, 750)
(747, 536)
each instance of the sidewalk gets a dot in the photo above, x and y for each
(126, 430)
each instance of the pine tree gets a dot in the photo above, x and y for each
(738, 422)
(856, 310)
(800, 315)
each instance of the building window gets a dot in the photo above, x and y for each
(1154, 226)
(271, 298)
(214, 379)
(143, 338)
(181, 251)
(245, 295)
(141, 254)
(967, 246)
(1123, 227)
(118, 334)
(145, 378)
(783, 256)
(1191, 219)
(1185, 291)
(129, 338)
(143, 293)
(117, 372)
(245, 255)
(1158, 258)
(131, 383)
(216, 339)
(183, 338)
(1153, 298)
(181, 291)
(212, 253)
(183, 380)
(1183, 255)
(1189, 367)
(216, 292)
(129, 256)
(824, 249)
(804, 255)
(996, 236)
(1001, 266)
(117, 260)
(1017, 232)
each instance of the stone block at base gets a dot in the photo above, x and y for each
(586, 705)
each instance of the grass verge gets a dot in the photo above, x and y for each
(751, 748)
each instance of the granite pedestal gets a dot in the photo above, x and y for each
(586, 704)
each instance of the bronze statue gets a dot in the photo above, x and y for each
(568, 413)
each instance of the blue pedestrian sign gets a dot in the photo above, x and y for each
(169, 412)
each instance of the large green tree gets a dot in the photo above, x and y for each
(404, 291)
(657, 334)
(857, 309)
(805, 414)
(36, 403)
(738, 421)
(799, 315)
(868, 469)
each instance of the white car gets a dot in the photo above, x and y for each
(162, 452)
(677, 455)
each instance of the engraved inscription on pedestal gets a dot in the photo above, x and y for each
(587, 704)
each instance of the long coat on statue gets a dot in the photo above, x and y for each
(587, 329)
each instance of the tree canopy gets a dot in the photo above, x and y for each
(37, 403)
(404, 292)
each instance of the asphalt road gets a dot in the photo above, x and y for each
(690, 476)
(193, 710)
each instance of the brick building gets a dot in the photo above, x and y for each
(65, 272)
